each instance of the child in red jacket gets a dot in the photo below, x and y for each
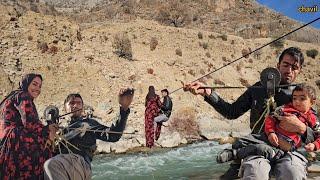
(303, 97)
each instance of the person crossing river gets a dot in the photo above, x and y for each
(257, 167)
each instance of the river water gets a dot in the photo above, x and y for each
(194, 161)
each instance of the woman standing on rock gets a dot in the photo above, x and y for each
(153, 105)
(23, 136)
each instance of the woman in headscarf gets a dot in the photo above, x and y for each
(23, 136)
(153, 105)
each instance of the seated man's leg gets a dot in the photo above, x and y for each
(255, 167)
(256, 150)
(232, 172)
(67, 166)
(161, 118)
(292, 166)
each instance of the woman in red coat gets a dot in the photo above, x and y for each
(23, 136)
(153, 105)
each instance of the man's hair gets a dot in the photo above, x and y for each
(311, 91)
(72, 96)
(165, 90)
(295, 53)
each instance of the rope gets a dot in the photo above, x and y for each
(252, 52)
(81, 129)
(269, 104)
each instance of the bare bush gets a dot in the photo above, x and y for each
(211, 36)
(128, 6)
(224, 37)
(53, 50)
(239, 67)
(174, 13)
(202, 72)
(122, 46)
(184, 122)
(245, 53)
(178, 52)
(192, 72)
(244, 82)
(150, 71)
(43, 46)
(153, 43)
(279, 44)
(205, 45)
(30, 38)
(219, 82)
(200, 35)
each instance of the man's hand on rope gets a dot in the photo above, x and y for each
(194, 88)
(291, 123)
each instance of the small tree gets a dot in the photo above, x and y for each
(174, 13)
(312, 53)
(122, 46)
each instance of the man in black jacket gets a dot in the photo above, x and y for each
(166, 107)
(255, 167)
(74, 161)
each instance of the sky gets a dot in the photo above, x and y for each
(290, 8)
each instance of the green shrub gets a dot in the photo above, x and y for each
(278, 44)
(312, 53)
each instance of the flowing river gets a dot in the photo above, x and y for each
(194, 161)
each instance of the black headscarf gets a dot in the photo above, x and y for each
(23, 85)
(26, 81)
(151, 94)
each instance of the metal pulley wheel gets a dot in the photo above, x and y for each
(51, 114)
(270, 79)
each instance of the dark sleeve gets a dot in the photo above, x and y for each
(166, 104)
(233, 110)
(118, 125)
(159, 103)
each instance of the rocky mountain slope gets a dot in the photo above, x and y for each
(245, 18)
(80, 57)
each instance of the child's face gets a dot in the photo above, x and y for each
(301, 101)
